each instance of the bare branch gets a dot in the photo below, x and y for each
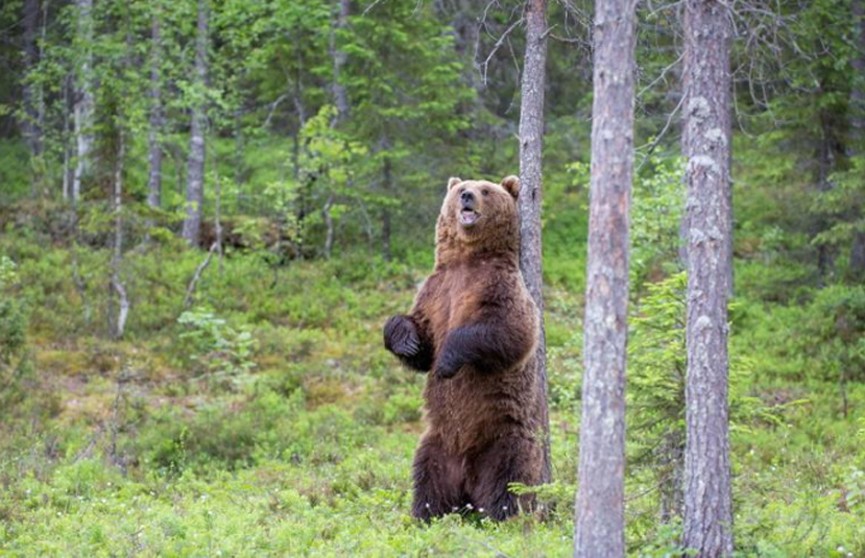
(197, 276)
(273, 106)
(661, 76)
(651, 146)
(371, 7)
(499, 43)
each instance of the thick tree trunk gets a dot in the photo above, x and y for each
(708, 511)
(600, 501)
(154, 158)
(531, 181)
(83, 99)
(31, 124)
(197, 146)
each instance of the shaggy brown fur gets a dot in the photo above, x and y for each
(475, 326)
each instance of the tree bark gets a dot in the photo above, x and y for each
(118, 324)
(340, 100)
(31, 125)
(857, 126)
(708, 510)
(154, 158)
(197, 145)
(68, 134)
(857, 90)
(340, 95)
(827, 156)
(387, 186)
(531, 181)
(328, 223)
(600, 519)
(83, 99)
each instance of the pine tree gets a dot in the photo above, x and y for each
(706, 145)
(600, 529)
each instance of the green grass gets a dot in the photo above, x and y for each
(178, 441)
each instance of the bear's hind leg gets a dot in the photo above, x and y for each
(438, 480)
(515, 458)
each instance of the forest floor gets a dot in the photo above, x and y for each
(269, 420)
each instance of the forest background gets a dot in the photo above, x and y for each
(170, 387)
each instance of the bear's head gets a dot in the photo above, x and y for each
(478, 217)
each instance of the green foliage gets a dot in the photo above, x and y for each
(217, 349)
(657, 208)
(268, 420)
(15, 367)
(841, 207)
(13, 318)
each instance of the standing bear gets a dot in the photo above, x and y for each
(474, 327)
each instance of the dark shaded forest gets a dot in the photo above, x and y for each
(208, 209)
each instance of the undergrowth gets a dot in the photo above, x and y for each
(264, 417)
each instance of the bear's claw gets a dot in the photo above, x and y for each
(400, 336)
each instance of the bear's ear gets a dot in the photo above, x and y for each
(512, 185)
(453, 182)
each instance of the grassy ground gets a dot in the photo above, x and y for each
(270, 421)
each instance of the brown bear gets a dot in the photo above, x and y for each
(475, 327)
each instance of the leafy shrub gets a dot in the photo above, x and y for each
(14, 365)
(215, 348)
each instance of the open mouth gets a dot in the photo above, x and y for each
(468, 217)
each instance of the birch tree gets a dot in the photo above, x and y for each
(600, 519)
(156, 118)
(531, 181)
(706, 145)
(83, 98)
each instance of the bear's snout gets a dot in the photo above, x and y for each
(468, 200)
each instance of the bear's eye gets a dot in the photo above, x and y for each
(485, 192)
(461, 190)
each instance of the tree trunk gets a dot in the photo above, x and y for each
(328, 222)
(531, 181)
(68, 134)
(31, 125)
(600, 501)
(340, 100)
(83, 98)
(118, 324)
(154, 158)
(387, 186)
(708, 510)
(857, 90)
(340, 95)
(670, 468)
(857, 126)
(826, 161)
(197, 146)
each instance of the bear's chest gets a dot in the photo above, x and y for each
(465, 291)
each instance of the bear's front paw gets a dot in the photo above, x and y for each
(400, 336)
(447, 366)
